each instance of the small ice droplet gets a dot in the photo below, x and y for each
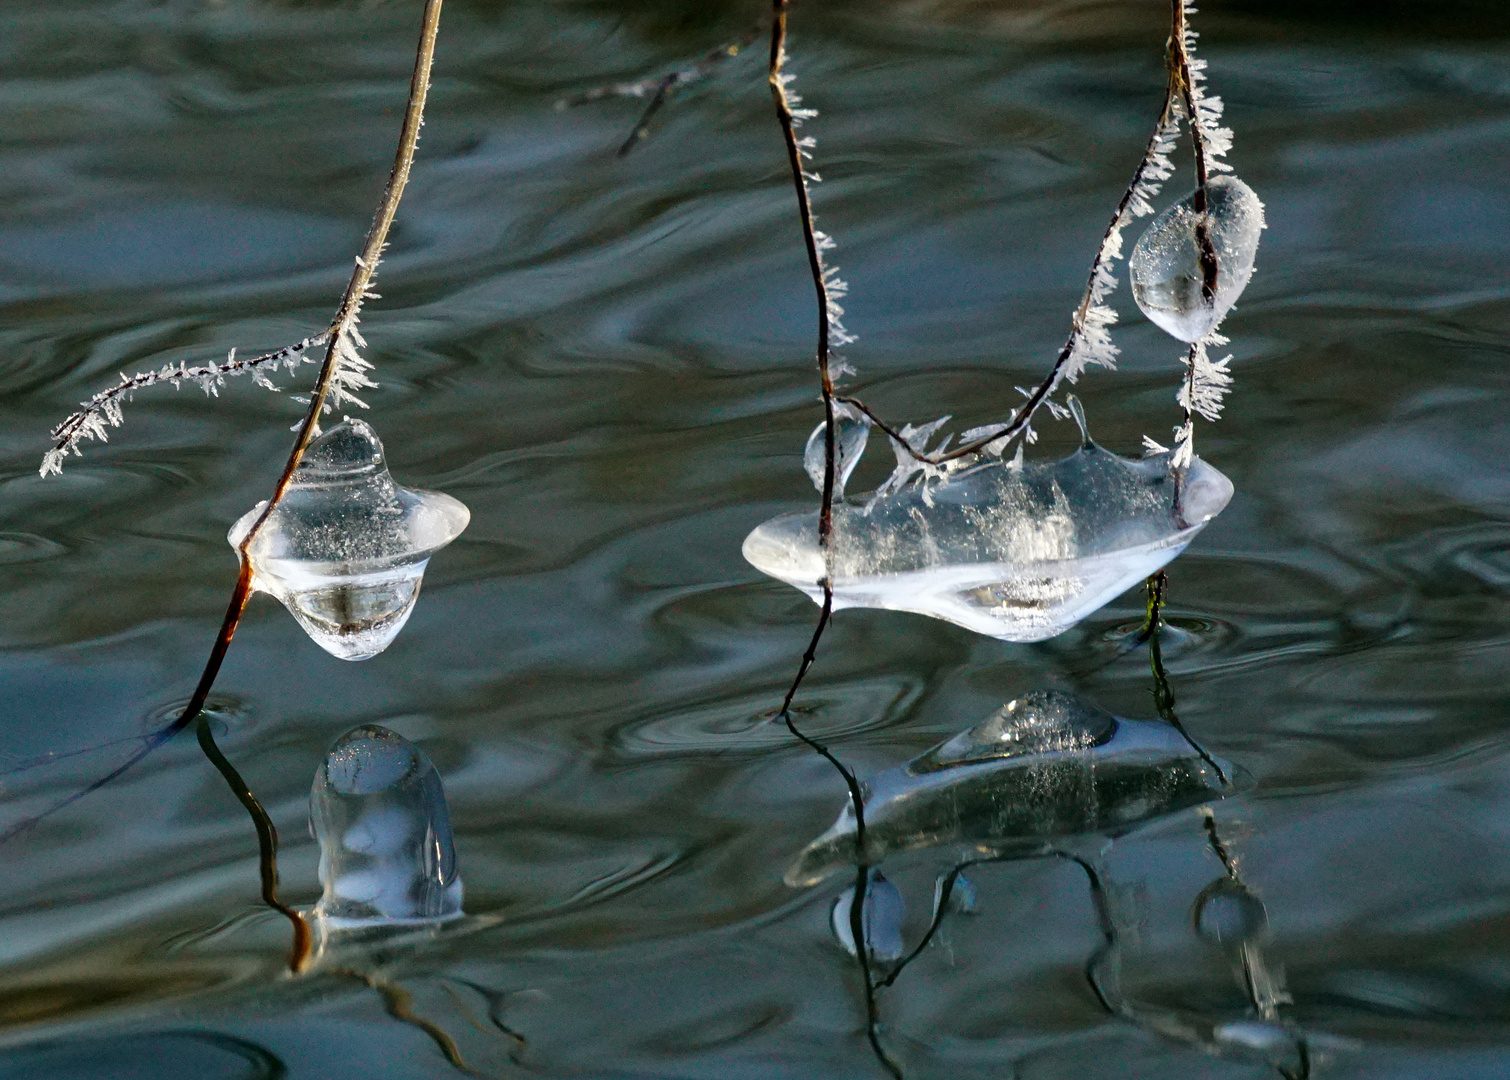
(379, 813)
(1045, 767)
(853, 432)
(1165, 265)
(1017, 551)
(1228, 913)
(346, 547)
(882, 918)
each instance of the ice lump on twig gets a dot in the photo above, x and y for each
(346, 547)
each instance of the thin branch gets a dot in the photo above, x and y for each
(267, 843)
(659, 87)
(104, 410)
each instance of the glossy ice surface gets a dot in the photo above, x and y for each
(346, 547)
(1045, 767)
(379, 813)
(1165, 265)
(1018, 552)
(883, 915)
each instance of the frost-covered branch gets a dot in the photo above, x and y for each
(1201, 392)
(104, 410)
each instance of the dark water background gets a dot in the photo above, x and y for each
(608, 361)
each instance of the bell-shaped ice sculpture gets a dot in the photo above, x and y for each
(379, 813)
(1165, 265)
(346, 547)
(1043, 769)
(1016, 551)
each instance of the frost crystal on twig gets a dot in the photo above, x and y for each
(830, 284)
(1207, 109)
(105, 409)
(1205, 385)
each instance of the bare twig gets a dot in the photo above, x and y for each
(659, 87)
(399, 1004)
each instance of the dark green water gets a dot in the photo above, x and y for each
(608, 361)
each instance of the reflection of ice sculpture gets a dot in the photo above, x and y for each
(1044, 768)
(1016, 551)
(881, 918)
(379, 813)
(1165, 265)
(346, 547)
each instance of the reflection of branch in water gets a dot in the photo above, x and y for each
(399, 1004)
(658, 87)
(1163, 693)
(267, 843)
(1110, 1001)
(495, 999)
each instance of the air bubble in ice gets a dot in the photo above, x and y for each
(345, 548)
(1228, 913)
(379, 813)
(1017, 551)
(1165, 265)
(1046, 767)
(852, 432)
(881, 918)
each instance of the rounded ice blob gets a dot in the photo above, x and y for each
(851, 432)
(1165, 265)
(379, 813)
(1046, 767)
(1228, 913)
(1020, 552)
(346, 547)
(881, 919)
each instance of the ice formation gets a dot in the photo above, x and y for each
(1165, 265)
(852, 431)
(881, 918)
(1227, 913)
(1044, 768)
(379, 813)
(1017, 551)
(346, 547)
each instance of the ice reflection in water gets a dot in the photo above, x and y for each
(1165, 265)
(386, 852)
(346, 547)
(1045, 767)
(882, 918)
(1016, 551)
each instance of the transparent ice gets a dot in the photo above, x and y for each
(379, 813)
(1016, 551)
(881, 919)
(1228, 913)
(1044, 768)
(1165, 265)
(852, 431)
(346, 547)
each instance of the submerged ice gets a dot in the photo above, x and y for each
(346, 547)
(1165, 265)
(379, 813)
(1042, 769)
(1017, 551)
